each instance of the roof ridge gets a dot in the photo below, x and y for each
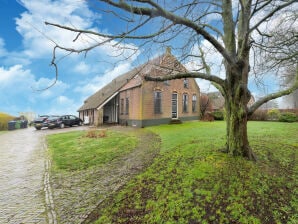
(95, 100)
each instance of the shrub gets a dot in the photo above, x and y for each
(288, 117)
(259, 115)
(93, 133)
(208, 117)
(218, 115)
(273, 114)
(4, 119)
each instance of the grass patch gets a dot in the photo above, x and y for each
(192, 182)
(78, 151)
(3, 132)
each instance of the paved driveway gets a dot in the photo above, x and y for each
(25, 196)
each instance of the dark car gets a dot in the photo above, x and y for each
(62, 121)
(39, 121)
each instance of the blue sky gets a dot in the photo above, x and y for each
(26, 52)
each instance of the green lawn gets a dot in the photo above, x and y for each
(73, 151)
(192, 182)
(3, 132)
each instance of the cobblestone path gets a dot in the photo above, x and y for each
(25, 190)
(22, 168)
(29, 194)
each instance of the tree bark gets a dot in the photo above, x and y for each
(236, 97)
(237, 139)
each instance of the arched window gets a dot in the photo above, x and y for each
(185, 83)
(185, 103)
(127, 105)
(157, 102)
(194, 103)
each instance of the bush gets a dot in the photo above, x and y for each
(273, 114)
(259, 115)
(218, 115)
(288, 117)
(93, 133)
(4, 119)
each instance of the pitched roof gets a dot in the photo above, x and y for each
(164, 64)
(95, 100)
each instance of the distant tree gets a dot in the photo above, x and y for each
(269, 105)
(232, 28)
(291, 100)
(205, 104)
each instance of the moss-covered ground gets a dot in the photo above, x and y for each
(191, 181)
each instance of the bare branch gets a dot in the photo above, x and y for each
(273, 96)
(181, 75)
(158, 11)
(270, 14)
(121, 36)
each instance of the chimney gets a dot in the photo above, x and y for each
(168, 50)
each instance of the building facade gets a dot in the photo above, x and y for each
(131, 100)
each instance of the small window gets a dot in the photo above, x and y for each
(157, 102)
(127, 106)
(194, 103)
(122, 106)
(166, 82)
(185, 83)
(185, 103)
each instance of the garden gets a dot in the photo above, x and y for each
(190, 181)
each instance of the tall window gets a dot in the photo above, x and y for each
(122, 106)
(157, 102)
(185, 83)
(194, 103)
(185, 103)
(127, 105)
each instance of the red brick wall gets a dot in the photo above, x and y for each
(141, 99)
(135, 109)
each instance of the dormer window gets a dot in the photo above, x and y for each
(185, 83)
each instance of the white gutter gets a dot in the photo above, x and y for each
(107, 100)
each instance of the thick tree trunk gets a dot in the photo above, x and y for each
(237, 96)
(237, 140)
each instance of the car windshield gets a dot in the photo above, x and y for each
(53, 118)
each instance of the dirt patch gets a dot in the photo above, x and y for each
(77, 194)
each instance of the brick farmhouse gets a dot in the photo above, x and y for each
(131, 100)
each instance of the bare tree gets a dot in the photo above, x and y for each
(232, 28)
(288, 79)
(205, 104)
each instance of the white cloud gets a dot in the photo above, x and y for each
(82, 68)
(40, 87)
(3, 51)
(63, 105)
(20, 78)
(63, 100)
(100, 81)
(213, 59)
(37, 35)
(15, 75)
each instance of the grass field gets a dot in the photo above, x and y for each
(2, 132)
(75, 151)
(192, 182)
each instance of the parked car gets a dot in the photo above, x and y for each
(62, 121)
(39, 122)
